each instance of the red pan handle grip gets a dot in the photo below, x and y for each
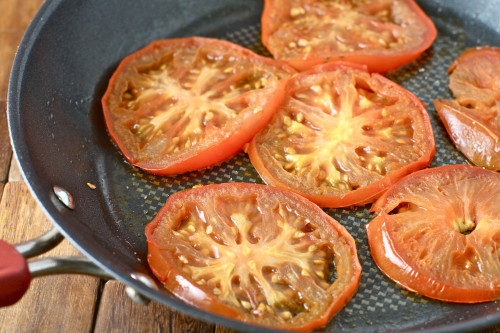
(15, 277)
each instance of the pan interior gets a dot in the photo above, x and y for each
(60, 138)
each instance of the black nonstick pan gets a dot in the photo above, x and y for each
(55, 117)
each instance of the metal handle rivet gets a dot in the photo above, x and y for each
(64, 196)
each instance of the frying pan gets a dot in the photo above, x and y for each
(59, 138)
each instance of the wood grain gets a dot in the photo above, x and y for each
(5, 147)
(14, 171)
(14, 19)
(118, 313)
(62, 303)
(222, 329)
(182, 323)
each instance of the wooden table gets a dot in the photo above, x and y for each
(62, 303)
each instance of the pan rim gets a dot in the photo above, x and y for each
(43, 199)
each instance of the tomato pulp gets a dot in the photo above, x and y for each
(472, 119)
(342, 136)
(437, 233)
(183, 104)
(380, 34)
(254, 253)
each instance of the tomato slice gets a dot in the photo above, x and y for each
(472, 120)
(342, 136)
(254, 253)
(184, 104)
(438, 233)
(382, 34)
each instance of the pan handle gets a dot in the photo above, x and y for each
(15, 277)
(16, 272)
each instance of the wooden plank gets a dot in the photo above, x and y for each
(15, 15)
(9, 41)
(222, 329)
(52, 304)
(14, 171)
(118, 313)
(5, 147)
(14, 19)
(1, 195)
(182, 323)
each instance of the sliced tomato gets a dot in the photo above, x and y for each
(342, 136)
(183, 104)
(438, 233)
(254, 253)
(472, 119)
(382, 34)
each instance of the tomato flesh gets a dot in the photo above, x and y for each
(438, 233)
(381, 34)
(342, 136)
(472, 119)
(183, 104)
(254, 253)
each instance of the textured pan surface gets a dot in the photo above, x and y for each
(59, 137)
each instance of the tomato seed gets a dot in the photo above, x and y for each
(286, 315)
(316, 88)
(246, 305)
(302, 42)
(257, 110)
(209, 230)
(296, 11)
(144, 131)
(299, 234)
(252, 264)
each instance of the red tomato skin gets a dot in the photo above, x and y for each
(392, 265)
(479, 143)
(367, 194)
(189, 293)
(226, 148)
(179, 286)
(216, 153)
(475, 136)
(386, 254)
(375, 63)
(357, 197)
(473, 52)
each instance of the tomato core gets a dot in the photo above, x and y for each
(438, 233)
(253, 252)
